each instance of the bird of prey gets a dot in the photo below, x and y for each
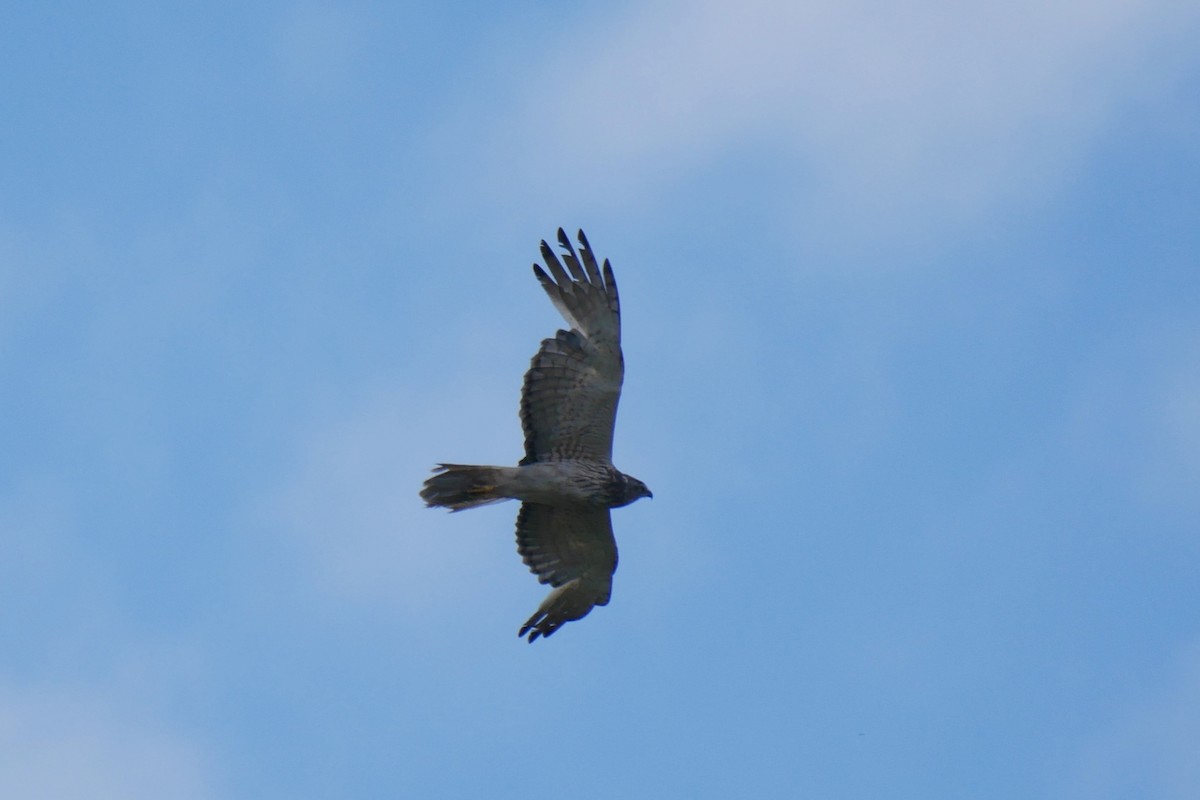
(566, 482)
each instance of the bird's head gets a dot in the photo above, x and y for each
(635, 490)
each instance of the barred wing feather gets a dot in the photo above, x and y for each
(570, 394)
(571, 548)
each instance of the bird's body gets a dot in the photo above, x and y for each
(556, 483)
(566, 481)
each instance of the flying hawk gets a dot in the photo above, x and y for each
(566, 482)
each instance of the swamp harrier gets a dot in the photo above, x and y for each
(566, 482)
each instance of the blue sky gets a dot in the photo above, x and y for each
(912, 326)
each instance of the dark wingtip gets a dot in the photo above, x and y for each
(541, 275)
(563, 239)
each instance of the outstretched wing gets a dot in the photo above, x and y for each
(569, 399)
(573, 550)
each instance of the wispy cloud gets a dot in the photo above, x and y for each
(1149, 749)
(878, 117)
(351, 508)
(315, 46)
(65, 744)
(81, 687)
(1136, 416)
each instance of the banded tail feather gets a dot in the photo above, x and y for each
(461, 486)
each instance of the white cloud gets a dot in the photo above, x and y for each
(1150, 750)
(59, 745)
(352, 510)
(316, 45)
(1136, 416)
(878, 116)
(1179, 414)
(87, 727)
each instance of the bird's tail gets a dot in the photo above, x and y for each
(459, 486)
